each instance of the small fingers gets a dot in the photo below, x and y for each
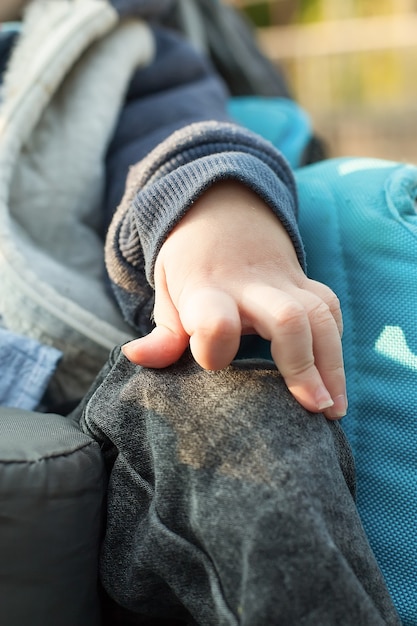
(305, 345)
(330, 299)
(167, 341)
(326, 327)
(208, 320)
(162, 347)
(211, 318)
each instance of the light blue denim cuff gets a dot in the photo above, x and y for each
(26, 369)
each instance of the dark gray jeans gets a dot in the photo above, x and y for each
(228, 503)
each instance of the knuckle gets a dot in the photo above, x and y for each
(219, 327)
(337, 371)
(326, 312)
(326, 294)
(301, 368)
(320, 313)
(291, 318)
(333, 303)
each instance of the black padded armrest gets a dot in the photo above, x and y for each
(52, 485)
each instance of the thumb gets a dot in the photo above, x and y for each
(164, 345)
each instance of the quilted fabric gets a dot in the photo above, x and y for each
(359, 223)
(52, 489)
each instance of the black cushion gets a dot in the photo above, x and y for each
(52, 485)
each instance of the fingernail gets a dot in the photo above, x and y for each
(323, 399)
(339, 407)
(131, 344)
(129, 347)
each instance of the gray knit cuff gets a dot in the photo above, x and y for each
(180, 169)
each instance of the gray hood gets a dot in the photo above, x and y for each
(62, 91)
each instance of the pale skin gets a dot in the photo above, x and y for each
(229, 268)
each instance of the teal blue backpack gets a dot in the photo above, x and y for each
(358, 218)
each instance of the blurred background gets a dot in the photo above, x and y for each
(352, 64)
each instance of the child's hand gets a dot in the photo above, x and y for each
(229, 268)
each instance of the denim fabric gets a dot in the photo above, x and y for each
(228, 503)
(26, 368)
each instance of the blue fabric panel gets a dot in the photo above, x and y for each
(359, 223)
(279, 120)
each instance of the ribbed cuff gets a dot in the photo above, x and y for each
(178, 171)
